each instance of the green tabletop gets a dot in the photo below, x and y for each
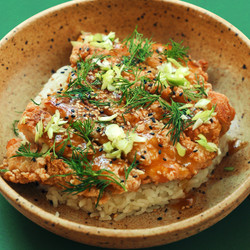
(18, 233)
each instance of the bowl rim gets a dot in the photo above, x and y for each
(221, 209)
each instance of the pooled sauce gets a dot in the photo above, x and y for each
(184, 203)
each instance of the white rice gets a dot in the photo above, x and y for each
(146, 199)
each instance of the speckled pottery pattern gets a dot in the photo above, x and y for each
(37, 47)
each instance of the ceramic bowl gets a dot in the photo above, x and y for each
(40, 45)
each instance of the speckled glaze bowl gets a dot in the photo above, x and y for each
(40, 45)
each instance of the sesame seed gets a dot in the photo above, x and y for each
(164, 159)
(153, 120)
(143, 157)
(160, 145)
(159, 152)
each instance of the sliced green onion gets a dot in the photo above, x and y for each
(172, 60)
(55, 125)
(115, 154)
(119, 141)
(205, 115)
(197, 124)
(113, 131)
(229, 168)
(124, 145)
(107, 118)
(39, 130)
(180, 149)
(202, 103)
(76, 43)
(107, 147)
(209, 146)
(188, 105)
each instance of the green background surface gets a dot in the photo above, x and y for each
(19, 233)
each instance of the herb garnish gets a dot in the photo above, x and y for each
(138, 97)
(140, 48)
(38, 104)
(80, 87)
(229, 168)
(133, 165)
(84, 129)
(196, 92)
(87, 177)
(25, 151)
(175, 113)
(15, 130)
(177, 51)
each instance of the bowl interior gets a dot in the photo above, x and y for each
(36, 48)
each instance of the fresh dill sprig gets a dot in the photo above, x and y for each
(84, 129)
(80, 87)
(177, 51)
(140, 48)
(85, 67)
(196, 92)
(87, 177)
(62, 145)
(133, 165)
(178, 119)
(98, 103)
(3, 170)
(38, 104)
(15, 130)
(25, 151)
(138, 97)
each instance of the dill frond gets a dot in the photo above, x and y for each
(140, 48)
(25, 151)
(177, 51)
(176, 124)
(87, 177)
(196, 92)
(84, 129)
(14, 127)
